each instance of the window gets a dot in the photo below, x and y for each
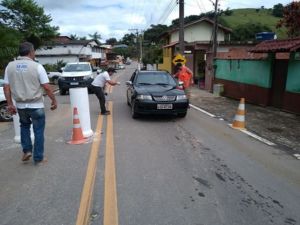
(155, 78)
(77, 67)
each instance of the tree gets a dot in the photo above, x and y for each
(277, 10)
(152, 35)
(126, 52)
(9, 43)
(291, 19)
(29, 19)
(111, 41)
(246, 32)
(228, 12)
(74, 37)
(152, 55)
(129, 39)
(95, 36)
(191, 18)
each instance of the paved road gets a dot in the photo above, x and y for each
(154, 170)
(280, 127)
(198, 170)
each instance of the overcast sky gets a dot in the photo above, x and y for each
(114, 18)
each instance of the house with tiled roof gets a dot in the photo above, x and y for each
(267, 74)
(198, 39)
(65, 49)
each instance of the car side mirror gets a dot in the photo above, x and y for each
(128, 83)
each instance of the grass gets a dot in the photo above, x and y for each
(263, 16)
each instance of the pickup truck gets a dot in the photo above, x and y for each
(78, 74)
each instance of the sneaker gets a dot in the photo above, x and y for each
(26, 156)
(106, 113)
(42, 162)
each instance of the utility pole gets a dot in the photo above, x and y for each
(141, 46)
(137, 43)
(215, 30)
(181, 26)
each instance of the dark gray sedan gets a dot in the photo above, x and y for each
(155, 92)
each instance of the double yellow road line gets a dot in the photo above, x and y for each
(110, 216)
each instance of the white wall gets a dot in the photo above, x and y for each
(67, 53)
(198, 32)
(53, 60)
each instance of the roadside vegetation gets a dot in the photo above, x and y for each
(16, 25)
(254, 21)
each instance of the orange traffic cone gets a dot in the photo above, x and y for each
(77, 136)
(239, 119)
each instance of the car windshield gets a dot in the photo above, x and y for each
(77, 67)
(155, 79)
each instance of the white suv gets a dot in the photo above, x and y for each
(80, 74)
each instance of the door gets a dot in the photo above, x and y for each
(279, 82)
(199, 76)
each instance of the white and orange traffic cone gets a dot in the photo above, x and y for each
(239, 119)
(77, 136)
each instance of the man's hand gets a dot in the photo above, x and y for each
(53, 105)
(12, 109)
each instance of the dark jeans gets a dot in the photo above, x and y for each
(36, 117)
(101, 97)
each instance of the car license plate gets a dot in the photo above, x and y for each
(74, 83)
(164, 106)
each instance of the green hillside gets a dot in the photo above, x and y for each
(263, 16)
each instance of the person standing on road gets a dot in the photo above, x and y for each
(98, 86)
(25, 81)
(185, 75)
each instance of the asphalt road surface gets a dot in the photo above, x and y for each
(153, 170)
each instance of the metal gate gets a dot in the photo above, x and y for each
(279, 82)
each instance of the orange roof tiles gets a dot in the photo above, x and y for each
(285, 45)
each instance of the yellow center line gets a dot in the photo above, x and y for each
(88, 187)
(110, 89)
(110, 216)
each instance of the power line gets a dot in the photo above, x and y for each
(164, 11)
(168, 14)
(202, 4)
(150, 21)
(168, 10)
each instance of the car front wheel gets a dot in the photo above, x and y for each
(134, 114)
(55, 80)
(128, 103)
(5, 115)
(62, 91)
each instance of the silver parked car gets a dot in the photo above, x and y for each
(4, 113)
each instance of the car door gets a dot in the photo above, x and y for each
(130, 88)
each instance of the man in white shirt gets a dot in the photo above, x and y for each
(98, 86)
(24, 81)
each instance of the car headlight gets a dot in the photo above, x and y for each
(181, 97)
(144, 97)
(86, 77)
(62, 78)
